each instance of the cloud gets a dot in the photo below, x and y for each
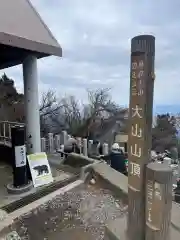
(95, 37)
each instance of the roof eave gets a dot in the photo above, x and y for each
(26, 44)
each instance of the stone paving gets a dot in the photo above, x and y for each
(7, 177)
(81, 213)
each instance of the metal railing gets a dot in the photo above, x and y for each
(5, 130)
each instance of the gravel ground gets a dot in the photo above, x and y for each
(81, 213)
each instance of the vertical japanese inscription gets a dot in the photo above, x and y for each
(154, 203)
(139, 136)
(136, 127)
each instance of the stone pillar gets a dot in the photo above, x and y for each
(63, 137)
(50, 143)
(57, 142)
(79, 143)
(31, 103)
(43, 145)
(105, 149)
(158, 201)
(139, 134)
(85, 147)
(90, 142)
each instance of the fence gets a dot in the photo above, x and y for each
(52, 143)
(5, 130)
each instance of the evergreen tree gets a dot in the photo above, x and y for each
(164, 134)
(11, 102)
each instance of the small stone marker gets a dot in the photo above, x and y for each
(85, 147)
(57, 141)
(63, 137)
(105, 149)
(43, 144)
(140, 123)
(90, 143)
(158, 201)
(50, 142)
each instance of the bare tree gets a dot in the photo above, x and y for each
(49, 104)
(77, 119)
(69, 116)
(49, 108)
(99, 101)
(100, 107)
(72, 113)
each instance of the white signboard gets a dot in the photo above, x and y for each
(40, 169)
(20, 156)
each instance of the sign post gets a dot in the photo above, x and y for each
(140, 125)
(20, 176)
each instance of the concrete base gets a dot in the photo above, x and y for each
(116, 229)
(175, 216)
(12, 190)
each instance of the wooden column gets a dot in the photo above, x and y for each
(140, 124)
(158, 201)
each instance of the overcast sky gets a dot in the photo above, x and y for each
(95, 36)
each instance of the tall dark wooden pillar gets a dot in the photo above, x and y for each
(140, 125)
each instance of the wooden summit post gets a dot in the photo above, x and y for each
(140, 125)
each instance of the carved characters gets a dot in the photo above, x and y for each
(135, 169)
(137, 91)
(136, 77)
(149, 197)
(137, 112)
(136, 132)
(136, 151)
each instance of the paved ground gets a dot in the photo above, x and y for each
(6, 177)
(78, 214)
(175, 234)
